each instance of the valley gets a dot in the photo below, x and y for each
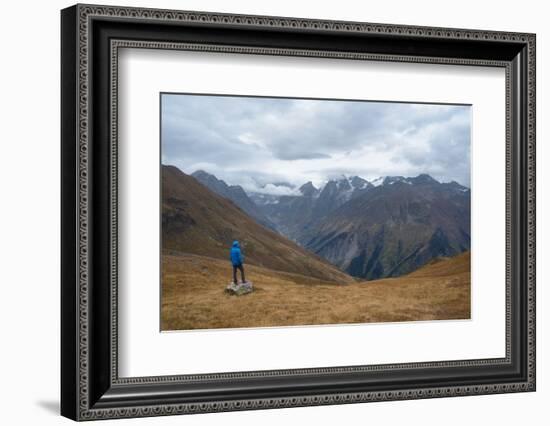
(370, 230)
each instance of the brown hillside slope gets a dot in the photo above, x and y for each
(445, 266)
(193, 296)
(195, 220)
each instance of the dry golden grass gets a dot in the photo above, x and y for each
(193, 296)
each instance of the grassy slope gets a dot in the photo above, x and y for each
(193, 296)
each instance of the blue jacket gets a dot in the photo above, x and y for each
(236, 256)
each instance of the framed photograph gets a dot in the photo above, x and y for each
(263, 212)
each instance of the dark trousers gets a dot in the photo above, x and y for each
(240, 267)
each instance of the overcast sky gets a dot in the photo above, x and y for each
(254, 142)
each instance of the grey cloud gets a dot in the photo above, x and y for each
(300, 140)
(302, 156)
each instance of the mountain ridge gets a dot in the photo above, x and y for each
(234, 193)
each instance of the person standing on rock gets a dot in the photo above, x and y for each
(237, 261)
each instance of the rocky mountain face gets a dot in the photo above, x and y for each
(384, 228)
(338, 192)
(196, 220)
(394, 228)
(234, 193)
(308, 190)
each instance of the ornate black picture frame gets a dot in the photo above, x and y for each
(91, 36)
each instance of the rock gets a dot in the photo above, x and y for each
(240, 288)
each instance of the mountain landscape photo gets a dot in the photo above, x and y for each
(328, 237)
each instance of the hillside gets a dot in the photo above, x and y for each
(193, 296)
(196, 220)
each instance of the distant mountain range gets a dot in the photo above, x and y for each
(393, 228)
(370, 229)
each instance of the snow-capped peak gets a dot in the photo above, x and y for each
(390, 180)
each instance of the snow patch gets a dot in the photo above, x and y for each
(378, 181)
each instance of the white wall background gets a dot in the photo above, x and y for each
(29, 213)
